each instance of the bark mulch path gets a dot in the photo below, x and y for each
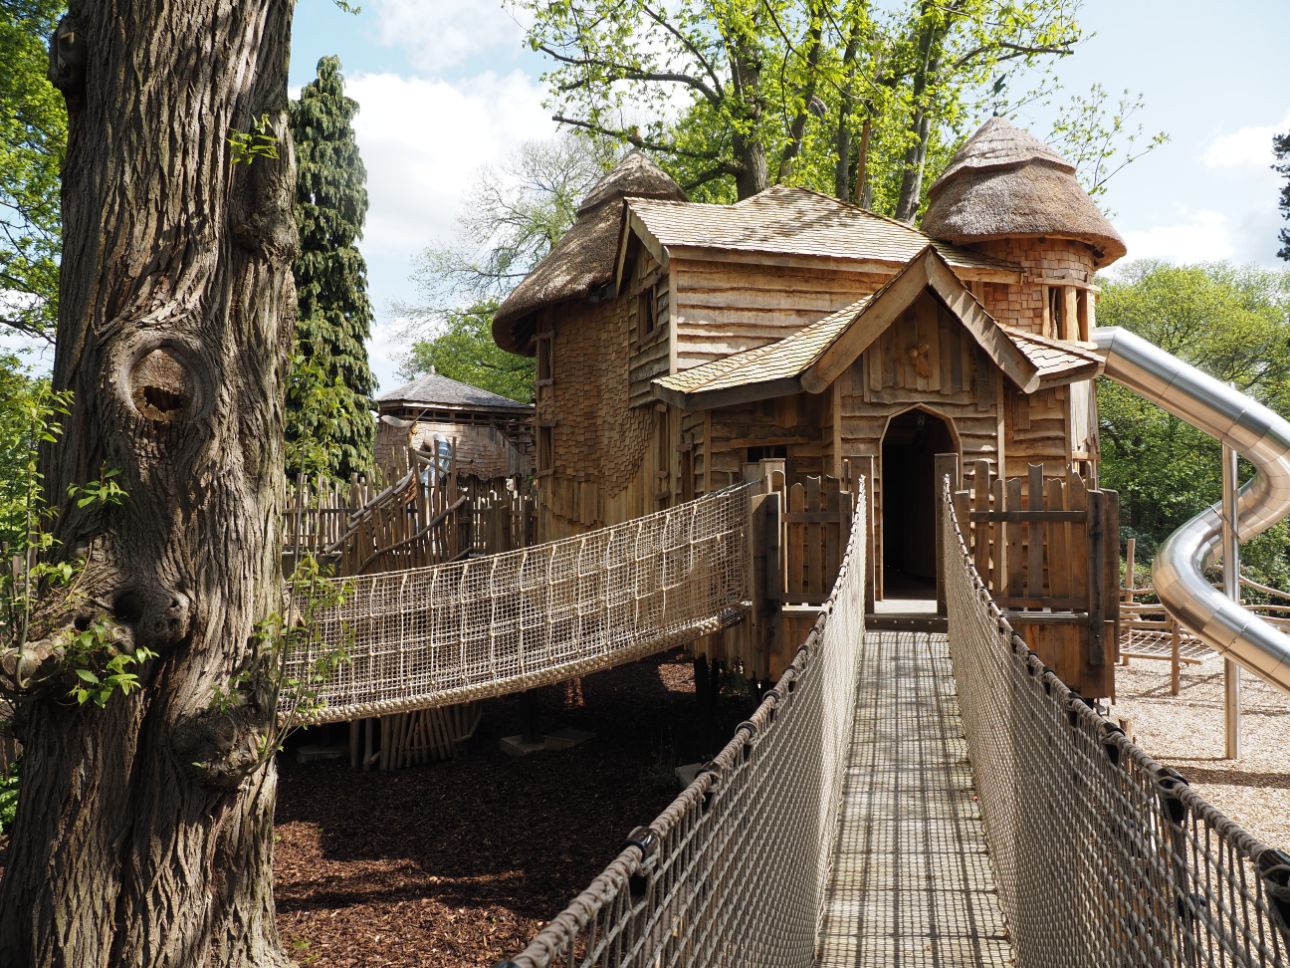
(1186, 732)
(460, 863)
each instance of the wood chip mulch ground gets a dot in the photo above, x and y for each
(460, 863)
(1186, 732)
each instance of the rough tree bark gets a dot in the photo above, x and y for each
(176, 313)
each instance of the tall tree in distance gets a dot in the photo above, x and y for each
(143, 835)
(33, 136)
(1281, 149)
(511, 219)
(330, 429)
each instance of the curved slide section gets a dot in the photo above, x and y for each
(1257, 434)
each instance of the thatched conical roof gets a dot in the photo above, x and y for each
(584, 258)
(1004, 183)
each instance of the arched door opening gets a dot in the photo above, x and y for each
(909, 505)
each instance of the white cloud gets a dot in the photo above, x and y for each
(423, 142)
(1202, 235)
(1249, 147)
(443, 33)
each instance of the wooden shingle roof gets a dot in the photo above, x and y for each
(813, 357)
(792, 222)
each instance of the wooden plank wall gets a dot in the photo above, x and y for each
(924, 359)
(1038, 429)
(725, 307)
(800, 424)
(650, 358)
(1047, 546)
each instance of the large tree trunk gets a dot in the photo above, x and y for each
(144, 832)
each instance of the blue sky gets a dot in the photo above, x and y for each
(447, 86)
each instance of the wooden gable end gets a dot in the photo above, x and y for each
(646, 290)
(925, 353)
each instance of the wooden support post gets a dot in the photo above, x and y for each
(1111, 576)
(865, 467)
(947, 474)
(1096, 578)
(1175, 656)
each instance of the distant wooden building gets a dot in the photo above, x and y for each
(676, 341)
(492, 434)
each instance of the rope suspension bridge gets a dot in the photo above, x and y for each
(440, 635)
(897, 798)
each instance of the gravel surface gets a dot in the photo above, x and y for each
(1186, 732)
(460, 863)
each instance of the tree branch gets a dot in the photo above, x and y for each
(634, 139)
(626, 73)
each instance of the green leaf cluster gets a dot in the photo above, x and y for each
(1232, 322)
(33, 139)
(330, 428)
(10, 785)
(463, 349)
(863, 101)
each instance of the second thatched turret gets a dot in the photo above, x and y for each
(1006, 184)
(1010, 196)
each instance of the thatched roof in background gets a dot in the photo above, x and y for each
(433, 390)
(1004, 183)
(585, 257)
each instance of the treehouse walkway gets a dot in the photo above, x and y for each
(897, 798)
(918, 799)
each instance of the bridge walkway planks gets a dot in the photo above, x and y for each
(911, 885)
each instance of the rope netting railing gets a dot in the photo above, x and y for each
(464, 630)
(733, 872)
(1102, 856)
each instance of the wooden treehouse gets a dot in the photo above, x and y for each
(677, 343)
(488, 435)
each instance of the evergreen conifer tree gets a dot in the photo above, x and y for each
(329, 423)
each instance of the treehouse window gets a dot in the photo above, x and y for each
(1055, 306)
(646, 313)
(546, 449)
(544, 362)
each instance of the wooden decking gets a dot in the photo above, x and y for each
(911, 883)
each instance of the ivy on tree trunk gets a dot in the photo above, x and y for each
(144, 832)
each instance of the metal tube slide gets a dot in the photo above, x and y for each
(1260, 436)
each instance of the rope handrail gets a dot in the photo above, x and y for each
(733, 872)
(1102, 856)
(463, 630)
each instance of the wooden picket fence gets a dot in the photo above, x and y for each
(1048, 549)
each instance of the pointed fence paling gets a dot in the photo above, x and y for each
(733, 873)
(449, 633)
(1102, 856)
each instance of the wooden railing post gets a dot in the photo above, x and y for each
(864, 470)
(1097, 604)
(946, 466)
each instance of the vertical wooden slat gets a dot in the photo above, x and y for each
(1015, 531)
(1059, 564)
(998, 543)
(1035, 532)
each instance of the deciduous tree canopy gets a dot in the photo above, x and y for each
(1235, 324)
(33, 137)
(860, 100)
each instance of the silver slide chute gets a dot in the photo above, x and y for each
(1261, 437)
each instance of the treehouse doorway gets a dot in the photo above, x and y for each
(909, 505)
